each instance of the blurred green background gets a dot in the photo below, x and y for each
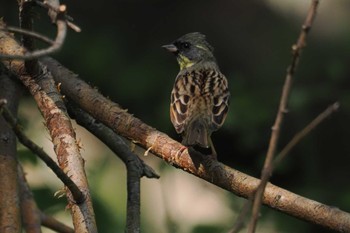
(118, 52)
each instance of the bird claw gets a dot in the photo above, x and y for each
(147, 151)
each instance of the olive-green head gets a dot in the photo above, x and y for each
(191, 49)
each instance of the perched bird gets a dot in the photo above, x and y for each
(200, 96)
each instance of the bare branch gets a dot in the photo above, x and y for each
(172, 152)
(55, 225)
(133, 203)
(76, 193)
(30, 212)
(10, 218)
(32, 217)
(61, 34)
(56, 9)
(295, 140)
(28, 33)
(239, 224)
(300, 135)
(266, 173)
(111, 139)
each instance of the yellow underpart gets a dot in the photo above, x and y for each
(184, 62)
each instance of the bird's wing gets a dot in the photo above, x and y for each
(220, 95)
(211, 85)
(180, 100)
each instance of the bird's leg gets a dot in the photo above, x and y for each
(213, 151)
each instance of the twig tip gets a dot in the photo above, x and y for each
(62, 8)
(3, 102)
(336, 106)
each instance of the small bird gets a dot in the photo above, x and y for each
(200, 96)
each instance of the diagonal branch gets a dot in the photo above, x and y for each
(76, 193)
(27, 33)
(54, 224)
(172, 152)
(266, 172)
(111, 139)
(295, 140)
(54, 8)
(136, 168)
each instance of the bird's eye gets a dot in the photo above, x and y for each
(186, 45)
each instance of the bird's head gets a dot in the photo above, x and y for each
(191, 49)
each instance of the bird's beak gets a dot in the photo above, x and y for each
(170, 47)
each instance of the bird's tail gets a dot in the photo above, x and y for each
(196, 134)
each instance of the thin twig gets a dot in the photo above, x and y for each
(300, 135)
(266, 173)
(54, 224)
(77, 194)
(295, 140)
(50, 7)
(28, 33)
(239, 224)
(58, 42)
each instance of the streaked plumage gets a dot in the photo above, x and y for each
(200, 96)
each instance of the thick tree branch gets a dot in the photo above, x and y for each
(10, 218)
(173, 152)
(267, 169)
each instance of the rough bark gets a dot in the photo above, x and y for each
(10, 219)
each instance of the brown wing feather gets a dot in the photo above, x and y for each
(199, 95)
(220, 95)
(179, 103)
